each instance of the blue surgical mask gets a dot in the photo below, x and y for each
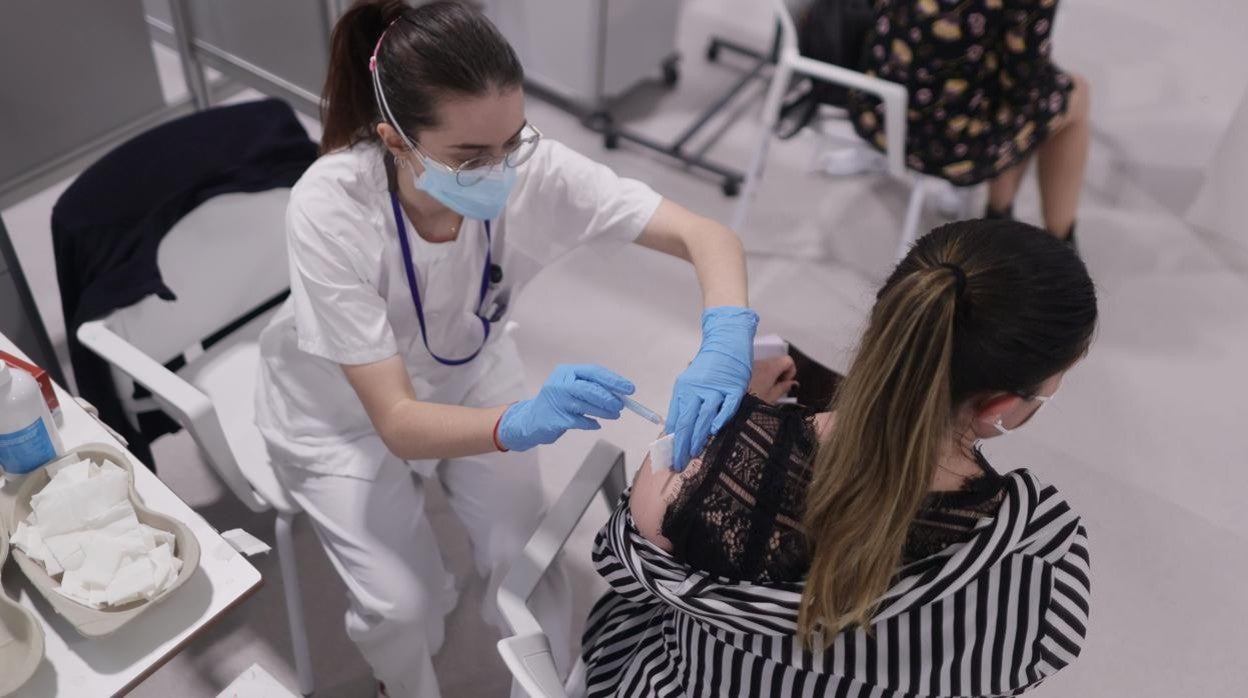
(483, 200)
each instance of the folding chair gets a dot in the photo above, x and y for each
(790, 63)
(226, 261)
(527, 652)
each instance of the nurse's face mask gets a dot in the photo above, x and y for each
(476, 188)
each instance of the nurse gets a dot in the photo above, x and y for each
(434, 202)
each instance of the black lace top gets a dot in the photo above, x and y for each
(738, 514)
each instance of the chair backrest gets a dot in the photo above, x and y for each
(894, 96)
(788, 28)
(222, 260)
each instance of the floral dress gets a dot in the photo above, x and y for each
(983, 92)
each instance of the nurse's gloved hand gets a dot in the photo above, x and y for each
(709, 392)
(569, 398)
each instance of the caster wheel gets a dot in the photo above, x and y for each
(610, 141)
(712, 51)
(671, 73)
(731, 188)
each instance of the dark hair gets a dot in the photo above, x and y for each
(1028, 309)
(429, 52)
(975, 308)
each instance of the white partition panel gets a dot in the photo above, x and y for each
(73, 74)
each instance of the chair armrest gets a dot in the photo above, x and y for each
(532, 665)
(188, 405)
(893, 95)
(184, 401)
(553, 531)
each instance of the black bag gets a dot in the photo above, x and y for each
(830, 31)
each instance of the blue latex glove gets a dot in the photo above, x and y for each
(570, 394)
(709, 392)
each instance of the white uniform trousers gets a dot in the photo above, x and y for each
(379, 539)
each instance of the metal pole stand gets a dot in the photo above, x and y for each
(612, 133)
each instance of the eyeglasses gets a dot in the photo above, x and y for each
(472, 171)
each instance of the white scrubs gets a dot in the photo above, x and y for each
(350, 304)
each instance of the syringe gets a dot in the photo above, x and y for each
(644, 412)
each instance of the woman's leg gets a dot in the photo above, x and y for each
(383, 547)
(1003, 189)
(1062, 159)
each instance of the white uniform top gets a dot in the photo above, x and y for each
(350, 302)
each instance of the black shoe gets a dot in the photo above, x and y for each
(1070, 240)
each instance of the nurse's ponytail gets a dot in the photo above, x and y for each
(976, 308)
(439, 49)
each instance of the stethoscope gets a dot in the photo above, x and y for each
(491, 274)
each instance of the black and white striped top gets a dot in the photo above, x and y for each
(993, 616)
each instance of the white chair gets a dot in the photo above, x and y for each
(527, 652)
(226, 262)
(790, 63)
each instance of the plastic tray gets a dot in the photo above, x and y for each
(19, 659)
(95, 622)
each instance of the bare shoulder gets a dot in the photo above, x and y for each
(824, 422)
(652, 494)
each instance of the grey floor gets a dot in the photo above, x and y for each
(1147, 438)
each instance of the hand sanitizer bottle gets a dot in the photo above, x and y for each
(28, 436)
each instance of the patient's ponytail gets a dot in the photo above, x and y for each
(892, 416)
(976, 307)
(429, 52)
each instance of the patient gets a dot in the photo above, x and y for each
(870, 547)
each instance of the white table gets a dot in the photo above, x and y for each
(113, 665)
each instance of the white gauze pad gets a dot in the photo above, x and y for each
(661, 454)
